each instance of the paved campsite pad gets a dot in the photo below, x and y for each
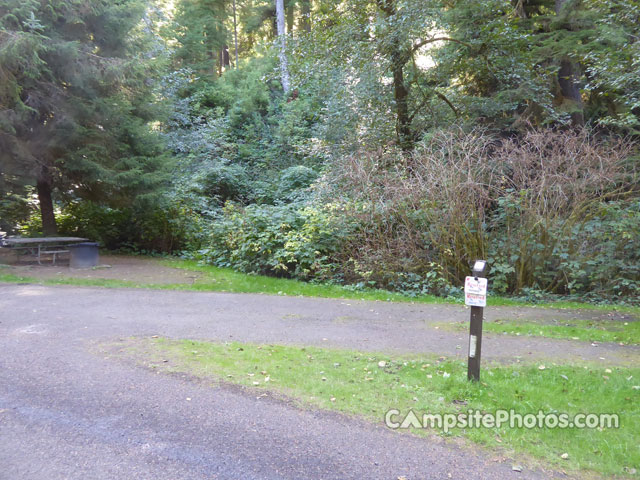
(359, 325)
(71, 413)
(143, 270)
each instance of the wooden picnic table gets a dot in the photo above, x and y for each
(43, 245)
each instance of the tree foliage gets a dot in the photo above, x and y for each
(76, 101)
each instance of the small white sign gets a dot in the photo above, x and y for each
(475, 292)
(473, 343)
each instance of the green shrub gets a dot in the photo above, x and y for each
(293, 180)
(285, 240)
(139, 228)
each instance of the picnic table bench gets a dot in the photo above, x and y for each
(41, 246)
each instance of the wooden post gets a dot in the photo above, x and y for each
(475, 331)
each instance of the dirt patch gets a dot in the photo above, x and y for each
(112, 267)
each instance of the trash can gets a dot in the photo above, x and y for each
(83, 255)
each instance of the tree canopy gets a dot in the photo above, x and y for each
(76, 101)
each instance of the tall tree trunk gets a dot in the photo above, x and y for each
(235, 32)
(398, 58)
(43, 186)
(568, 80)
(401, 94)
(284, 67)
(224, 56)
(305, 15)
(290, 10)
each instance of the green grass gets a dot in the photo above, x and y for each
(223, 279)
(81, 282)
(625, 332)
(355, 383)
(215, 279)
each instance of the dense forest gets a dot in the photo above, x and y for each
(370, 143)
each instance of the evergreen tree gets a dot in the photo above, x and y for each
(75, 100)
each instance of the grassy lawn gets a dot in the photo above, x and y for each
(223, 279)
(215, 279)
(87, 282)
(358, 383)
(627, 333)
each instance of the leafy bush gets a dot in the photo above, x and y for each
(136, 228)
(14, 210)
(285, 240)
(293, 180)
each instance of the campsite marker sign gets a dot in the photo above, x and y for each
(475, 295)
(475, 292)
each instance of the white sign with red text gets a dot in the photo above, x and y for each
(475, 291)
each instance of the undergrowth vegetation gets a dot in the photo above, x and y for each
(553, 212)
(399, 141)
